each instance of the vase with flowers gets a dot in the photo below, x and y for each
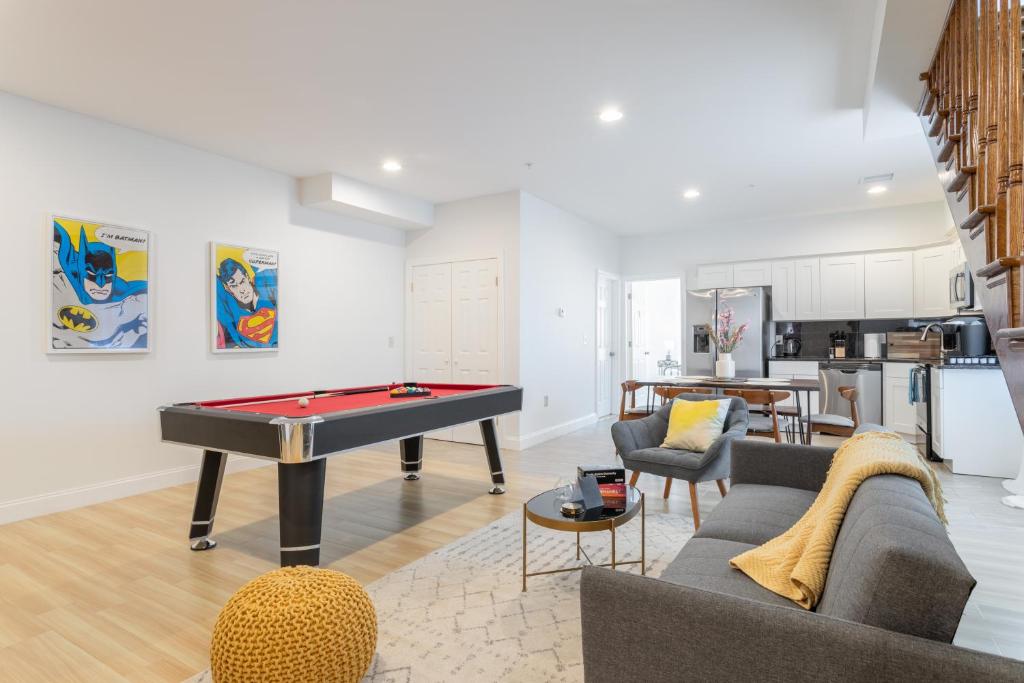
(726, 335)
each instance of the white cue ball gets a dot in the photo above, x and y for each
(303, 402)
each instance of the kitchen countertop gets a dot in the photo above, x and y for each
(934, 362)
(855, 359)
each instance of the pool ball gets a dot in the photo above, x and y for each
(303, 402)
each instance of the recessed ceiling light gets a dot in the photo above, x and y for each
(877, 189)
(392, 166)
(692, 193)
(610, 115)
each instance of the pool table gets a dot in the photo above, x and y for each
(299, 431)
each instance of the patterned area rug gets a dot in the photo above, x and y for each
(459, 613)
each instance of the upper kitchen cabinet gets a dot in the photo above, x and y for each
(715, 276)
(806, 289)
(752, 274)
(931, 281)
(842, 287)
(783, 304)
(889, 285)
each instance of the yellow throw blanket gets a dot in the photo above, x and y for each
(795, 564)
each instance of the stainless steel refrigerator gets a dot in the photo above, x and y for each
(750, 305)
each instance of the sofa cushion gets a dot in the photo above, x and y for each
(893, 565)
(667, 457)
(756, 513)
(704, 563)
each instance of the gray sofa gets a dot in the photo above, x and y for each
(893, 597)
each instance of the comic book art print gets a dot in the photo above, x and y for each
(99, 288)
(244, 298)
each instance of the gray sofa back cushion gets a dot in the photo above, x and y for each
(893, 565)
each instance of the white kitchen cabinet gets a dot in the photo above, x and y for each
(783, 305)
(714, 276)
(900, 415)
(974, 425)
(931, 281)
(806, 289)
(889, 285)
(842, 287)
(935, 405)
(752, 274)
(957, 255)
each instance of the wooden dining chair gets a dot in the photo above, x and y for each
(837, 425)
(631, 412)
(668, 393)
(764, 415)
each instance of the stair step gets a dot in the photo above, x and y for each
(937, 121)
(961, 178)
(948, 147)
(977, 216)
(1010, 333)
(999, 266)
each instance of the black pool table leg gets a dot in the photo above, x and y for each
(490, 437)
(211, 474)
(300, 501)
(412, 456)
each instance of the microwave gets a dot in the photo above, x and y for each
(961, 287)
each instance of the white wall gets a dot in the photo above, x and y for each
(79, 429)
(672, 254)
(560, 256)
(481, 227)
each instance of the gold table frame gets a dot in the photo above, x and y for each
(582, 526)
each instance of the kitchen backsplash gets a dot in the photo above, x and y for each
(814, 334)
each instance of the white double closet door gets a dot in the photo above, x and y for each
(454, 332)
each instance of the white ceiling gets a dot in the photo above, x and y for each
(759, 104)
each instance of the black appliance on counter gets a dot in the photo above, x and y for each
(790, 345)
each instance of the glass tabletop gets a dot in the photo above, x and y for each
(545, 509)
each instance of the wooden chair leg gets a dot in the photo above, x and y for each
(721, 487)
(668, 486)
(636, 475)
(693, 506)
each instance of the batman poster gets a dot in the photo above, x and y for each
(244, 298)
(99, 288)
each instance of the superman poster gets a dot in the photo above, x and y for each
(244, 298)
(99, 288)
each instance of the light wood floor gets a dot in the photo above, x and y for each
(112, 593)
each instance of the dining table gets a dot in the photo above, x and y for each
(743, 382)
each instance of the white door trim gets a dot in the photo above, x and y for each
(616, 333)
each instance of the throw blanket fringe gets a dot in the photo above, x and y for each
(795, 564)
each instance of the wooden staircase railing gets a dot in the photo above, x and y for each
(972, 112)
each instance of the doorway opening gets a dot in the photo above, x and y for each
(655, 335)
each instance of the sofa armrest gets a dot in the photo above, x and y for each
(723, 444)
(779, 464)
(641, 629)
(632, 435)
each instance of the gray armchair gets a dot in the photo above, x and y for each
(638, 442)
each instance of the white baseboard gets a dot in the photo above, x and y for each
(68, 499)
(524, 441)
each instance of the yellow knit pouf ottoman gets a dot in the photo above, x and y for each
(295, 625)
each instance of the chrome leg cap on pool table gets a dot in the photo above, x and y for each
(496, 491)
(203, 543)
(412, 476)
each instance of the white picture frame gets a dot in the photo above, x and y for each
(248, 326)
(66, 287)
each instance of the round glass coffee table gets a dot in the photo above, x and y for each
(545, 510)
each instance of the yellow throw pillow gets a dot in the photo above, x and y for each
(694, 425)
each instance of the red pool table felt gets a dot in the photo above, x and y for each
(287, 405)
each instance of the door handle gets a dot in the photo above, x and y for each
(611, 354)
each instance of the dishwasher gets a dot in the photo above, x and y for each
(867, 377)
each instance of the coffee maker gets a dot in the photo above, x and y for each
(965, 335)
(790, 345)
